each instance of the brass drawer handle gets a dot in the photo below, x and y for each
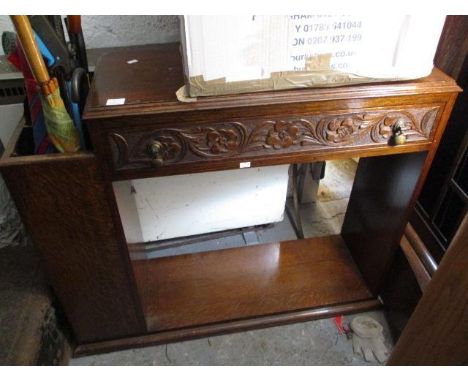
(155, 152)
(399, 137)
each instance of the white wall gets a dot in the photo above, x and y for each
(110, 31)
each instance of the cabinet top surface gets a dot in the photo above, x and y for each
(148, 78)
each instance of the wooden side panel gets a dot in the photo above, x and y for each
(376, 216)
(437, 333)
(64, 206)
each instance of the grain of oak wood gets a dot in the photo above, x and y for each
(266, 128)
(90, 268)
(153, 113)
(65, 209)
(229, 284)
(265, 137)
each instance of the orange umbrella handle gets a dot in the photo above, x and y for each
(32, 53)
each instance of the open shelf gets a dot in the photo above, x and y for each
(254, 281)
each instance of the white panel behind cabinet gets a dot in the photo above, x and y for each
(192, 204)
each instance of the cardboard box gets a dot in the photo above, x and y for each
(235, 54)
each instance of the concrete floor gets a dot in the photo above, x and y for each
(311, 343)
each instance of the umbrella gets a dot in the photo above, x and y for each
(77, 41)
(72, 78)
(35, 117)
(59, 125)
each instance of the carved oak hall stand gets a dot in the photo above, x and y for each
(115, 298)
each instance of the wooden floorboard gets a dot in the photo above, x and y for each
(230, 284)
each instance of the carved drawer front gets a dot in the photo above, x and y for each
(160, 146)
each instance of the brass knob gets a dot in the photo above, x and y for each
(157, 162)
(399, 137)
(155, 152)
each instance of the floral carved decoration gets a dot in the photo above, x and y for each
(227, 140)
(222, 141)
(169, 148)
(338, 130)
(235, 138)
(282, 134)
